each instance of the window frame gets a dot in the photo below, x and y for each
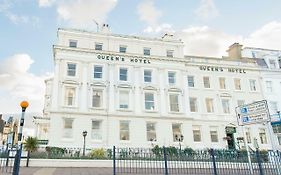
(97, 46)
(124, 75)
(124, 130)
(98, 73)
(147, 76)
(69, 70)
(95, 130)
(146, 51)
(208, 85)
(152, 132)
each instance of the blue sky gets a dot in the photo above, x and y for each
(28, 31)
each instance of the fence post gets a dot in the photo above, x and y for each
(27, 158)
(114, 161)
(214, 161)
(8, 156)
(259, 161)
(165, 160)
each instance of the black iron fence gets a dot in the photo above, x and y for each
(170, 160)
(7, 158)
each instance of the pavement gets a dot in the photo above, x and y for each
(63, 171)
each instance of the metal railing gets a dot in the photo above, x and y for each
(7, 158)
(170, 160)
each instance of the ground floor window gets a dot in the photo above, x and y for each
(151, 131)
(214, 134)
(262, 135)
(196, 133)
(67, 128)
(176, 127)
(124, 130)
(96, 130)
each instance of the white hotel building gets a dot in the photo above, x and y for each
(132, 91)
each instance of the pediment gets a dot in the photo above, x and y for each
(150, 88)
(70, 82)
(174, 89)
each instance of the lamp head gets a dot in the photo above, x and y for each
(84, 133)
(24, 105)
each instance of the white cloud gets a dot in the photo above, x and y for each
(148, 13)
(45, 3)
(18, 84)
(163, 28)
(205, 41)
(81, 13)
(268, 36)
(207, 9)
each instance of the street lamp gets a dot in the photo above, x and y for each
(179, 138)
(84, 133)
(24, 105)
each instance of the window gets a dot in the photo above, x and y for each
(225, 106)
(273, 107)
(176, 127)
(174, 102)
(222, 83)
(237, 83)
(72, 43)
(97, 71)
(124, 99)
(193, 104)
(98, 46)
(96, 130)
(172, 77)
(190, 81)
(67, 128)
(272, 64)
(253, 85)
(71, 69)
(269, 86)
(248, 135)
(147, 76)
(196, 134)
(123, 74)
(263, 136)
(146, 51)
(151, 131)
(214, 134)
(279, 139)
(170, 53)
(122, 49)
(69, 96)
(206, 81)
(149, 101)
(240, 102)
(209, 105)
(97, 98)
(124, 130)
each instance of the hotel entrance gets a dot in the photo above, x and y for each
(229, 131)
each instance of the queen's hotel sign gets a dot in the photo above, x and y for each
(222, 69)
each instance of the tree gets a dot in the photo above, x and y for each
(31, 145)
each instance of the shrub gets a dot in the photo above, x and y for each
(98, 153)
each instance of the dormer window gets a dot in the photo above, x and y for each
(170, 53)
(98, 46)
(146, 51)
(72, 43)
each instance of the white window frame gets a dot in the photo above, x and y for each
(170, 53)
(251, 83)
(152, 132)
(127, 74)
(208, 85)
(197, 128)
(222, 83)
(269, 87)
(72, 41)
(193, 81)
(263, 136)
(102, 98)
(65, 101)
(173, 78)
(95, 136)
(120, 130)
(146, 53)
(212, 109)
(154, 102)
(227, 110)
(179, 102)
(178, 133)
(195, 104)
(100, 73)
(212, 130)
(65, 129)
(122, 46)
(68, 70)
(129, 99)
(145, 76)
(238, 86)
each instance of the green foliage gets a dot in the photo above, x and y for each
(98, 153)
(53, 152)
(31, 144)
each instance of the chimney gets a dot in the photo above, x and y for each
(105, 28)
(234, 51)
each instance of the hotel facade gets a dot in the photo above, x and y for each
(133, 91)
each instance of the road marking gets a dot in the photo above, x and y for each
(45, 171)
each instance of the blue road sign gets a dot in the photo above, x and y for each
(244, 110)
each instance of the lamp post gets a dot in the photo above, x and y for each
(179, 138)
(24, 105)
(84, 133)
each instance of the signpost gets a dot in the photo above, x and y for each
(253, 113)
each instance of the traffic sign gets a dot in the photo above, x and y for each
(253, 113)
